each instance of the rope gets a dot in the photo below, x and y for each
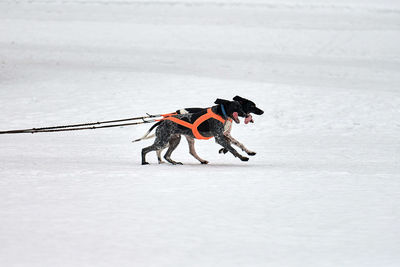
(88, 128)
(82, 126)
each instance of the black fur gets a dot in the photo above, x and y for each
(248, 106)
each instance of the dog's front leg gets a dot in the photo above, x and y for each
(223, 141)
(238, 144)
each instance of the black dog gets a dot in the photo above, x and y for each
(248, 107)
(210, 128)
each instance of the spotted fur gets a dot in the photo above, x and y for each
(248, 107)
(167, 131)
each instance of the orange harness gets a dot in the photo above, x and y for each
(196, 124)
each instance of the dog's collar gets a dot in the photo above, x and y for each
(223, 111)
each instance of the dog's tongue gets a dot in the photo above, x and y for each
(248, 119)
(236, 117)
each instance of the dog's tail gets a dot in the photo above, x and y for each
(146, 136)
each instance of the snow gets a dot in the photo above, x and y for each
(323, 189)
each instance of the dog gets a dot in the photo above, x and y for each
(248, 107)
(208, 123)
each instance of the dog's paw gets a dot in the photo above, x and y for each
(244, 159)
(145, 163)
(251, 153)
(223, 150)
(204, 162)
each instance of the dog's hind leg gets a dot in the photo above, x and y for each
(173, 144)
(159, 156)
(223, 141)
(159, 144)
(192, 151)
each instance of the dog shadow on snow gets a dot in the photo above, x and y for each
(208, 166)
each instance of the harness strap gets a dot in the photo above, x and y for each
(169, 114)
(223, 111)
(194, 127)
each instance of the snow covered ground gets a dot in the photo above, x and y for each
(323, 189)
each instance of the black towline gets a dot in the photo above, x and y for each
(86, 126)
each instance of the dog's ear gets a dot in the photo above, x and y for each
(239, 98)
(221, 101)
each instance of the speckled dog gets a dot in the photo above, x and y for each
(166, 129)
(248, 107)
